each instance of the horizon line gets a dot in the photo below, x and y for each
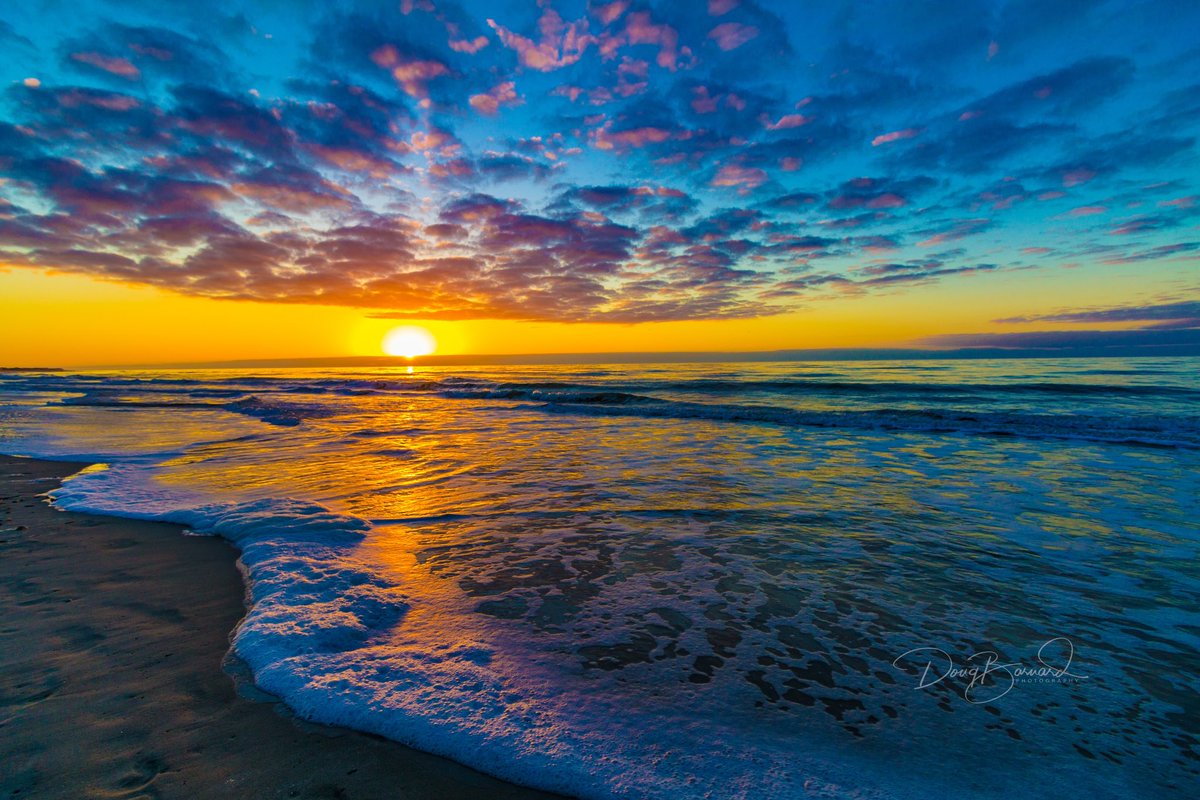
(664, 357)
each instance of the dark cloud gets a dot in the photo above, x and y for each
(1186, 311)
(9, 35)
(1069, 340)
(878, 193)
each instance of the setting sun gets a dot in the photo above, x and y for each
(408, 342)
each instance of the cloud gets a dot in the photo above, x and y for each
(412, 74)
(788, 121)
(1181, 250)
(641, 29)
(1145, 340)
(1068, 90)
(953, 231)
(894, 136)
(736, 175)
(732, 35)
(878, 192)
(489, 103)
(1086, 211)
(653, 203)
(114, 65)
(560, 44)
(469, 45)
(605, 138)
(609, 13)
(1181, 311)
(10, 35)
(1143, 224)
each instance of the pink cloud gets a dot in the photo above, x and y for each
(633, 66)
(469, 45)
(732, 35)
(1051, 195)
(1086, 211)
(605, 139)
(355, 161)
(887, 200)
(608, 13)
(570, 92)
(885, 138)
(718, 8)
(73, 98)
(153, 52)
(121, 67)
(961, 230)
(32, 83)
(504, 94)
(702, 101)
(1133, 226)
(640, 30)
(966, 115)
(1180, 202)
(735, 175)
(1077, 177)
(457, 168)
(294, 198)
(413, 74)
(560, 44)
(790, 163)
(788, 121)
(993, 49)
(433, 139)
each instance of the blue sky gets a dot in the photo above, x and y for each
(620, 162)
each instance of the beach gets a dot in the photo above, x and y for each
(112, 681)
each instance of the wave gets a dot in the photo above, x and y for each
(805, 386)
(1138, 414)
(278, 413)
(273, 412)
(1145, 430)
(575, 396)
(823, 383)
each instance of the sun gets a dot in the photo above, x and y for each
(409, 341)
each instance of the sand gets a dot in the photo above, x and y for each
(115, 680)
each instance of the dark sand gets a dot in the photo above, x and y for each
(113, 636)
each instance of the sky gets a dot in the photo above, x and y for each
(183, 182)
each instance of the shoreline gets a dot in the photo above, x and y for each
(116, 677)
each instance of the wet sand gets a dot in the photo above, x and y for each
(114, 680)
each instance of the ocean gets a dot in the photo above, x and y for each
(968, 579)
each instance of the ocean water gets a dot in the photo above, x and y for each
(695, 581)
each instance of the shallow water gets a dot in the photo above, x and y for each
(696, 580)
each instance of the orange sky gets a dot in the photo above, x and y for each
(66, 320)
